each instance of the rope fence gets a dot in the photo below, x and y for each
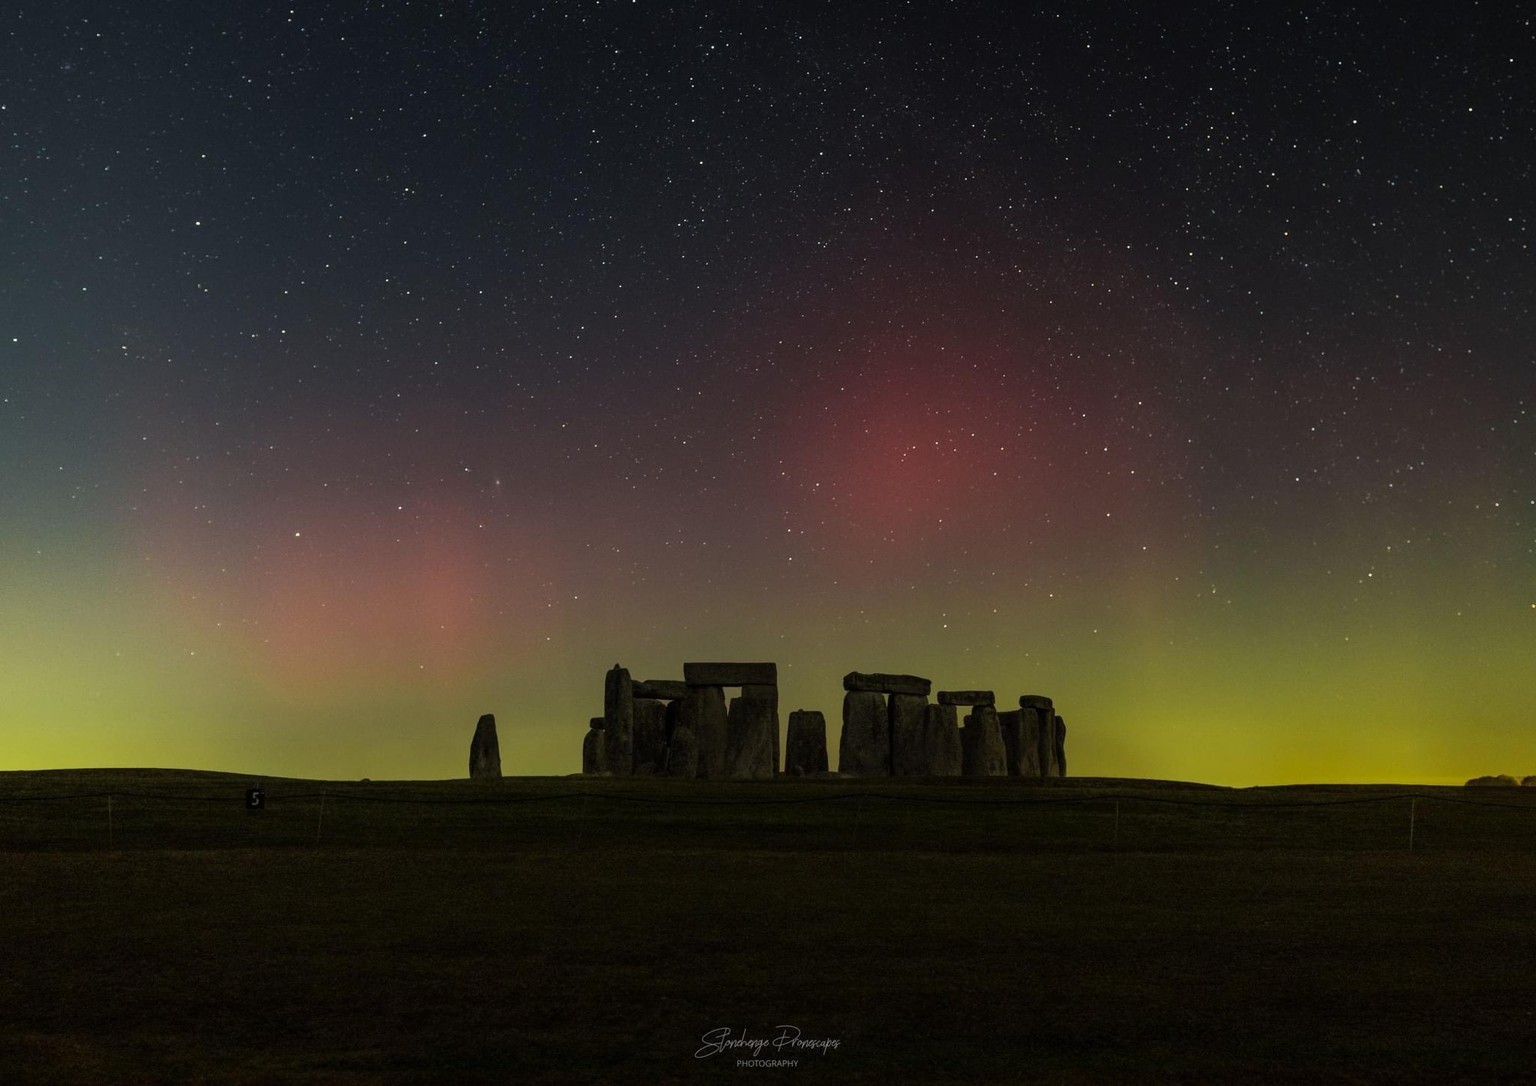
(1115, 820)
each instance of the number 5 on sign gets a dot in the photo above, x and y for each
(255, 799)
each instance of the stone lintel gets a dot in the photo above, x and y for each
(662, 689)
(967, 697)
(881, 683)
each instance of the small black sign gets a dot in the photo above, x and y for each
(255, 799)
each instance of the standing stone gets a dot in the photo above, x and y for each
(982, 744)
(1031, 743)
(484, 751)
(650, 737)
(941, 740)
(865, 748)
(594, 752)
(1061, 747)
(909, 750)
(752, 725)
(882, 683)
(769, 693)
(683, 755)
(619, 721)
(704, 714)
(806, 752)
(1010, 722)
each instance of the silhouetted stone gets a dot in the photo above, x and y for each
(1501, 781)
(704, 714)
(981, 742)
(1033, 737)
(941, 741)
(880, 683)
(1060, 765)
(806, 752)
(967, 697)
(485, 751)
(865, 748)
(752, 726)
(662, 689)
(674, 714)
(1008, 724)
(594, 752)
(650, 735)
(909, 748)
(619, 721)
(683, 755)
(1034, 701)
(731, 674)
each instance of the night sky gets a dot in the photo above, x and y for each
(366, 367)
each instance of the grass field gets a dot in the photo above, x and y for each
(591, 931)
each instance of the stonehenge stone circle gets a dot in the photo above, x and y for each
(941, 741)
(704, 714)
(983, 754)
(806, 747)
(662, 689)
(485, 751)
(594, 751)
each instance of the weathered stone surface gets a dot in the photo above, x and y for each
(865, 747)
(484, 750)
(662, 689)
(1034, 701)
(1061, 747)
(731, 674)
(941, 740)
(1008, 723)
(751, 731)
(594, 752)
(704, 714)
(880, 683)
(683, 755)
(619, 720)
(650, 736)
(596, 723)
(806, 752)
(981, 740)
(909, 748)
(967, 697)
(769, 694)
(1501, 781)
(1041, 723)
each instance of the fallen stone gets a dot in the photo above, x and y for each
(941, 741)
(731, 674)
(1034, 701)
(619, 721)
(485, 751)
(594, 752)
(865, 747)
(1061, 747)
(806, 746)
(967, 697)
(909, 748)
(880, 683)
(704, 714)
(650, 735)
(662, 689)
(751, 731)
(981, 742)
(683, 755)
(1503, 780)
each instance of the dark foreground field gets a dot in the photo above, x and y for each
(557, 930)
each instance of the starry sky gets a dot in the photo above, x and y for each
(365, 367)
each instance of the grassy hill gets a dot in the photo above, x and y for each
(573, 930)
